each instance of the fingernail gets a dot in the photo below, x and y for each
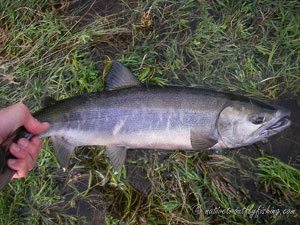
(15, 147)
(12, 161)
(23, 143)
(36, 141)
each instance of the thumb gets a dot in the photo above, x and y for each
(31, 124)
(16, 116)
(34, 126)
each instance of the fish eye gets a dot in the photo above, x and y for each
(257, 119)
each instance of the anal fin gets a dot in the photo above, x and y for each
(117, 155)
(62, 150)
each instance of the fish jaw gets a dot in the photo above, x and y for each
(279, 123)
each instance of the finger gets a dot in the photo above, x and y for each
(21, 167)
(37, 142)
(32, 147)
(23, 155)
(26, 151)
(18, 152)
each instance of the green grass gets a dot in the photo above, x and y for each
(250, 47)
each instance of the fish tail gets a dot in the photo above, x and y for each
(6, 176)
(5, 172)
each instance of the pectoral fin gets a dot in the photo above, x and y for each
(62, 150)
(117, 155)
(201, 141)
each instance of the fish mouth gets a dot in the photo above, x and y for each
(282, 123)
(278, 125)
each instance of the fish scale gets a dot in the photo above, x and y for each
(111, 109)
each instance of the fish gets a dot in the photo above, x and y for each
(128, 115)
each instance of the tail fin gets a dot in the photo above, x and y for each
(5, 176)
(5, 172)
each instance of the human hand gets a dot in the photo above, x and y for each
(25, 151)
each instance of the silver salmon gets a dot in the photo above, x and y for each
(127, 115)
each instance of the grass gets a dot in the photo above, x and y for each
(51, 48)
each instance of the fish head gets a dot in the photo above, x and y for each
(245, 123)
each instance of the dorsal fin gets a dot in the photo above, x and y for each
(119, 77)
